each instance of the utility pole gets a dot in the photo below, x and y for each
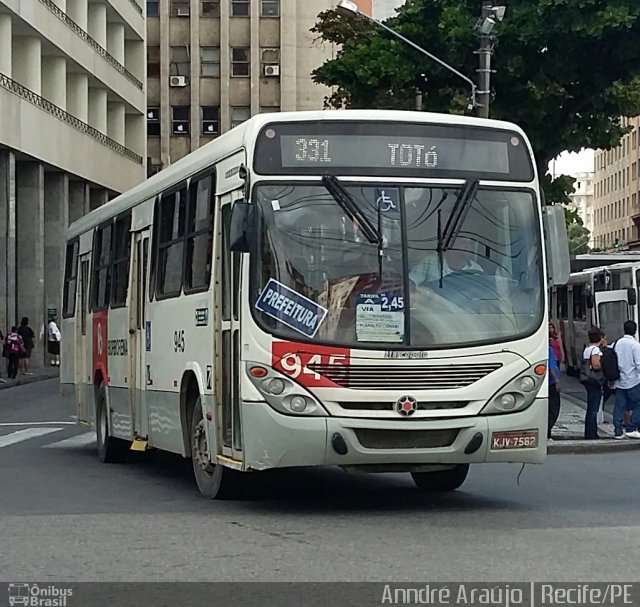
(484, 71)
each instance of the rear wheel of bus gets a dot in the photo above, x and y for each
(214, 481)
(444, 480)
(110, 449)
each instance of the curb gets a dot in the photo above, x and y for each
(25, 380)
(604, 445)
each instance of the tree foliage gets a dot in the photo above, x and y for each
(566, 70)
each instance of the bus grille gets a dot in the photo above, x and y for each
(405, 439)
(390, 406)
(379, 377)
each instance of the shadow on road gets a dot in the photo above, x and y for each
(318, 490)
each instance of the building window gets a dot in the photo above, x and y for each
(240, 59)
(239, 115)
(153, 122)
(269, 109)
(210, 120)
(180, 119)
(153, 8)
(270, 8)
(210, 8)
(634, 171)
(180, 64)
(240, 8)
(210, 62)
(153, 62)
(179, 8)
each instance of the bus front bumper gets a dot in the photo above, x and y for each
(273, 440)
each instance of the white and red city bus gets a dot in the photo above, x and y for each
(364, 289)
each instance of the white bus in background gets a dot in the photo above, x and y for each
(603, 296)
(363, 289)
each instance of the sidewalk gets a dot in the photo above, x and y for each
(39, 374)
(568, 433)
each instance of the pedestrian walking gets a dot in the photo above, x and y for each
(53, 341)
(28, 339)
(627, 351)
(593, 379)
(554, 391)
(15, 348)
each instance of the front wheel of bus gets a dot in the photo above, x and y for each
(214, 481)
(110, 449)
(445, 480)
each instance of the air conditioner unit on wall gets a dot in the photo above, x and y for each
(271, 69)
(183, 11)
(177, 81)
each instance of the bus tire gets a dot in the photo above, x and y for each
(110, 450)
(444, 480)
(214, 481)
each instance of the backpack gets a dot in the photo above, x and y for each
(14, 344)
(609, 363)
(589, 376)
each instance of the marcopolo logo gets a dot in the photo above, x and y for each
(39, 595)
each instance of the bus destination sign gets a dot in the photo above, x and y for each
(392, 149)
(388, 152)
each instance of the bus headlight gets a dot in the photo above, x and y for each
(527, 383)
(518, 393)
(283, 393)
(275, 386)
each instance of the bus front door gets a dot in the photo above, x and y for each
(612, 311)
(227, 346)
(140, 333)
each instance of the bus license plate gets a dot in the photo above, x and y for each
(521, 439)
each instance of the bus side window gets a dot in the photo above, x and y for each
(171, 234)
(563, 304)
(199, 235)
(101, 280)
(121, 259)
(70, 280)
(579, 303)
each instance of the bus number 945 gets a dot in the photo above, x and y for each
(299, 365)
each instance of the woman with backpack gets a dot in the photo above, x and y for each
(14, 348)
(593, 380)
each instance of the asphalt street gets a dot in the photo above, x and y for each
(64, 516)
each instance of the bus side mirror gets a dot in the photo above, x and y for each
(556, 245)
(242, 226)
(632, 298)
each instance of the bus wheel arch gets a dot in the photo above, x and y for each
(189, 400)
(110, 449)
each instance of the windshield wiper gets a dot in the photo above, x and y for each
(459, 212)
(352, 210)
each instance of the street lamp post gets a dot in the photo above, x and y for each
(351, 8)
(489, 17)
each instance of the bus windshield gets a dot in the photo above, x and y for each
(435, 275)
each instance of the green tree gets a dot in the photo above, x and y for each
(566, 70)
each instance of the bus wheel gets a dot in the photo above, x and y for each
(214, 481)
(445, 480)
(110, 449)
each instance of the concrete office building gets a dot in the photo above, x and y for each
(72, 135)
(379, 9)
(212, 64)
(616, 204)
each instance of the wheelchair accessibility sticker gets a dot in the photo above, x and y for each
(388, 200)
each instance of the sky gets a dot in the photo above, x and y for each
(571, 163)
